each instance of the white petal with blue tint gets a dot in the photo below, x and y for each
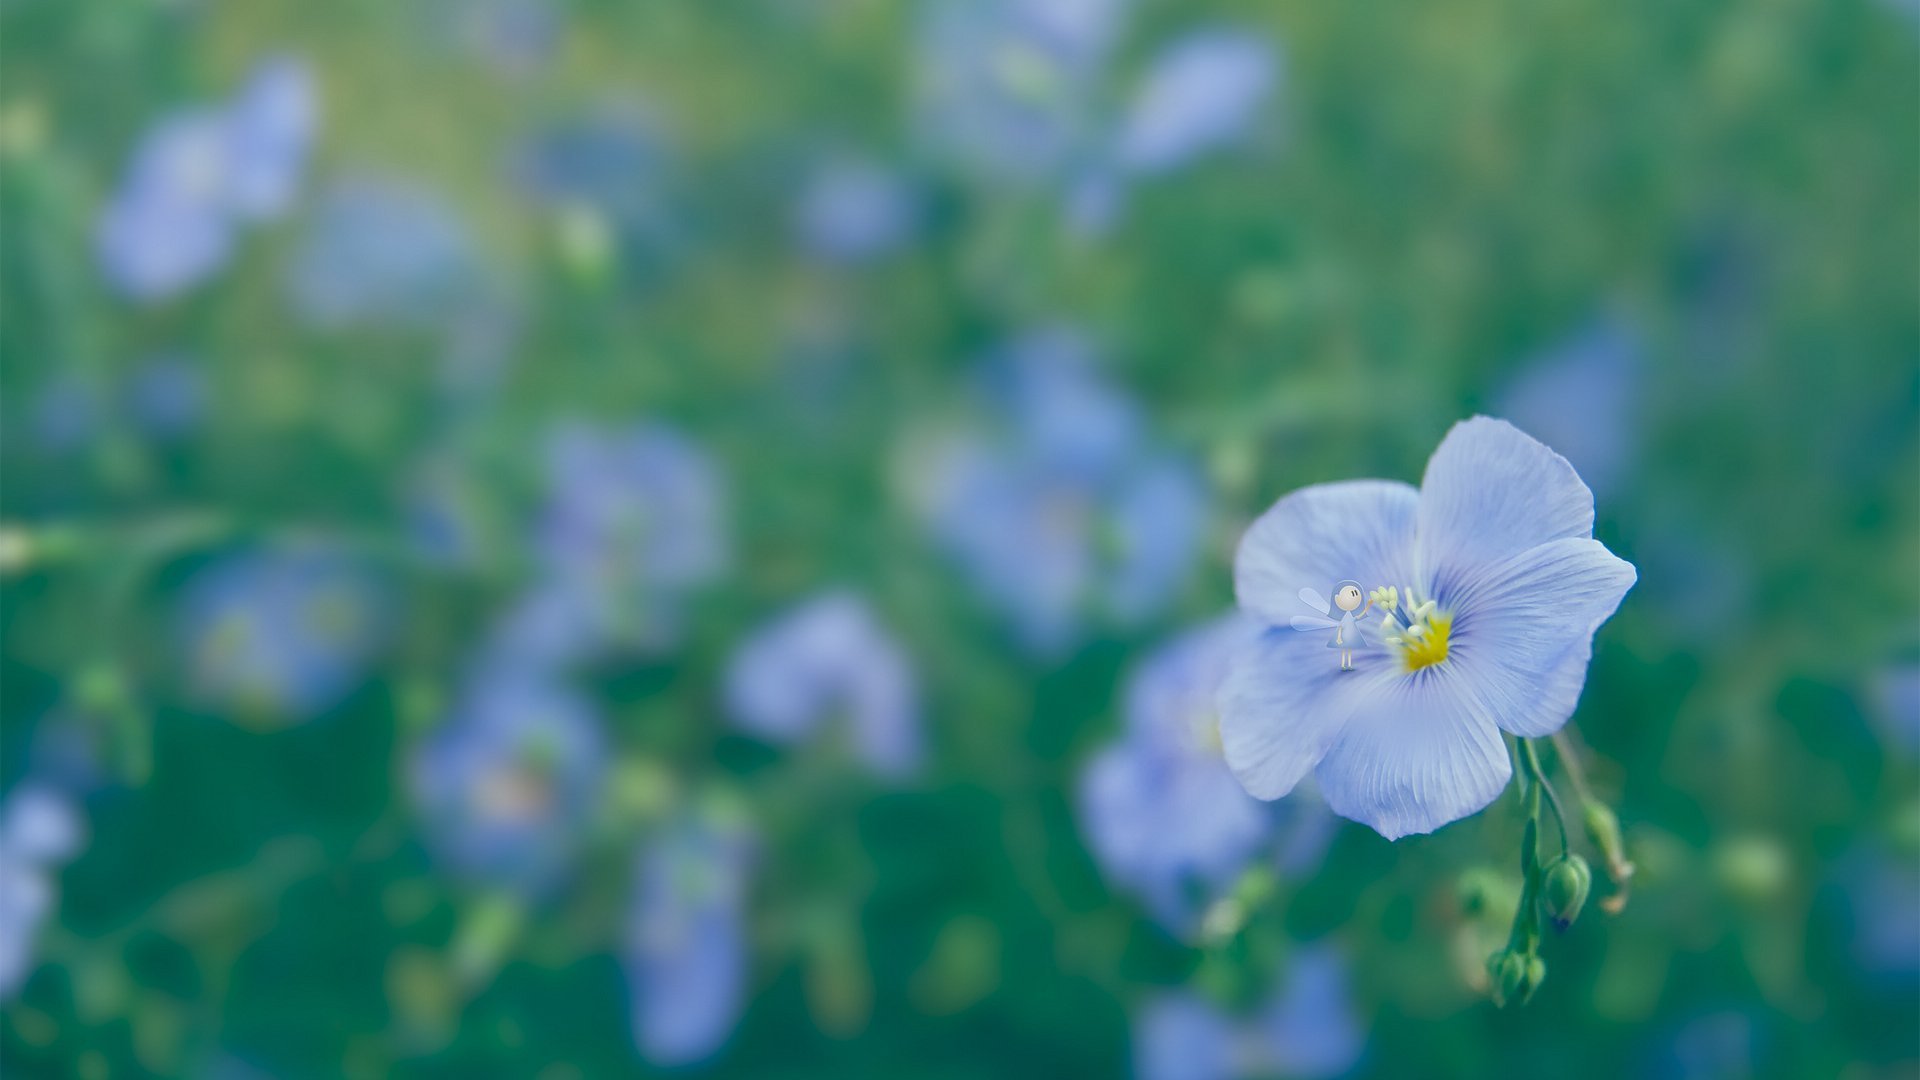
(1360, 529)
(1491, 490)
(1525, 629)
(1417, 751)
(1283, 705)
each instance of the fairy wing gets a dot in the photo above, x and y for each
(1314, 600)
(1312, 622)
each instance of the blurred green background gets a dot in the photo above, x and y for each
(410, 409)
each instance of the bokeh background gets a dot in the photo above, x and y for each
(566, 539)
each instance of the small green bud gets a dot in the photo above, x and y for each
(1564, 889)
(1603, 828)
(1536, 976)
(1507, 977)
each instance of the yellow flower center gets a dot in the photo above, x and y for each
(1419, 628)
(1425, 642)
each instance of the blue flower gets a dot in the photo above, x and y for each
(1164, 815)
(39, 831)
(1307, 1030)
(1582, 398)
(829, 660)
(507, 782)
(1064, 512)
(634, 522)
(380, 251)
(1505, 587)
(280, 634)
(852, 211)
(1202, 93)
(1007, 88)
(200, 175)
(686, 952)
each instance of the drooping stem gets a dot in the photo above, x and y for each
(1530, 762)
(1570, 761)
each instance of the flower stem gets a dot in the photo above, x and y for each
(1570, 761)
(1530, 761)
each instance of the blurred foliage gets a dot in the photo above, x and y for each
(1435, 201)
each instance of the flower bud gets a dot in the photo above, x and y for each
(1536, 975)
(1603, 828)
(1507, 977)
(1563, 891)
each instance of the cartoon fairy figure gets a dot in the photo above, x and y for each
(1348, 601)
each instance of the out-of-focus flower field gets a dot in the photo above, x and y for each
(569, 539)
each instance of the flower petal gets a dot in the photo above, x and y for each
(1492, 490)
(1416, 753)
(1523, 630)
(1283, 703)
(1319, 535)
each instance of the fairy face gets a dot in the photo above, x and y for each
(1347, 597)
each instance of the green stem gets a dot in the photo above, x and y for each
(1530, 761)
(1570, 761)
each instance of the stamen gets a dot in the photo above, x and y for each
(1427, 630)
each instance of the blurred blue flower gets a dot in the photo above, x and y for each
(1582, 397)
(1505, 589)
(280, 634)
(1713, 1046)
(39, 831)
(1181, 1036)
(1896, 706)
(166, 396)
(829, 660)
(1163, 813)
(1007, 89)
(270, 131)
(853, 211)
(1203, 92)
(506, 784)
(686, 951)
(1310, 1029)
(634, 522)
(199, 175)
(1877, 888)
(606, 170)
(1066, 511)
(1307, 1030)
(609, 157)
(382, 251)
